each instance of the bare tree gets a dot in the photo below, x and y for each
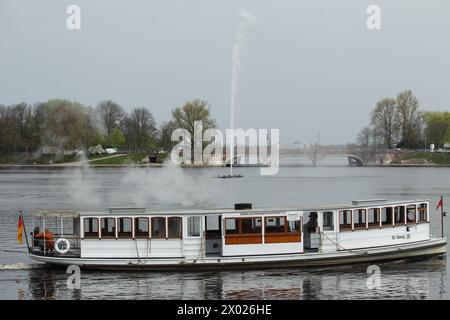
(386, 121)
(111, 115)
(140, 129)
(407, 105)
(365, 137)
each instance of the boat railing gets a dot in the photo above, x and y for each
(42, 244)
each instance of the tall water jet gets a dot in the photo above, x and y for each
(245, 20)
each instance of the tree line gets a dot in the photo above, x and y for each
(69, 125)
(398, 123)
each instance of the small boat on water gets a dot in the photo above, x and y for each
(241, 237)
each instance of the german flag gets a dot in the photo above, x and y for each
(20, 230)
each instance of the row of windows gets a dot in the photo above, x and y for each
(384, 217)
(140, 228)
(249, 230)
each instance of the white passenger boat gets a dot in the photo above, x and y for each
(136, 238)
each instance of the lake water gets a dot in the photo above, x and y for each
(167, 188)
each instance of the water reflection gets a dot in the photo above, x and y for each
(398, 280)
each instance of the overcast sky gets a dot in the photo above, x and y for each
(306, 66)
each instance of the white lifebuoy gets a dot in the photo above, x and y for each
(67, 245)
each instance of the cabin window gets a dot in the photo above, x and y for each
(359, 219)
(231, 226)
(141, 228)
(373, 217)
(293, 227)
(158, 228)
(174, 228)
(411, 214)
(423, 212)
(108, 228)
(90, 228)
(279, 230)
(124, 228)
(386, 216)
(345, 220)
(194, 226)
(243, 230)
(328, 224)
(251, 225)
(399, 215)
(275, 225)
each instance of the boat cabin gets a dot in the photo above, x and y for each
(137, 233)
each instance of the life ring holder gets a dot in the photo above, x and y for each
(58, 249)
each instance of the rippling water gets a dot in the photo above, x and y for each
(22, 278)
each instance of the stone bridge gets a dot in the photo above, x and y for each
(314, 153)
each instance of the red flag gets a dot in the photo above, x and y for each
(20, 230)
(439, 205)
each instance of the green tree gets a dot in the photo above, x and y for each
(437, 127)
(192, 111)
(116, 139)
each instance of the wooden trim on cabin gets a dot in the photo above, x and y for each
(243, 238)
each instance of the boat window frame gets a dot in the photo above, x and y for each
(345, 226)
(164, 234)
(275, 217)
(387, 224)
(180, 236)
(328, 227)
(400, 223)
(97, 236)
(131, 233)
(359, 226)
(241, 237)
(286, 236)
(414, 221)
(139, 236)
(200, 226)
(377, 224)
(108, 237)
(421, 210)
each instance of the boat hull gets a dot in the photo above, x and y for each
(420, 249)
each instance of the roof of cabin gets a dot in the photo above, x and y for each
(143, 211)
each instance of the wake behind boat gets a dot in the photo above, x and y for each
(243, 237)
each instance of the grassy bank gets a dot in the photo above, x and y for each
(430, 157)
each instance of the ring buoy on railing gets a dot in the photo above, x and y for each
(64, 248)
